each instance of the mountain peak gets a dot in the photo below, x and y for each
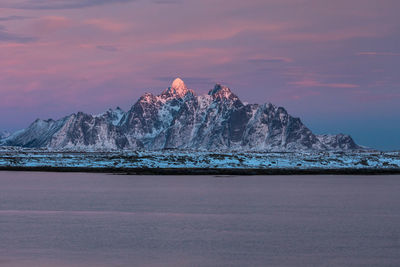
(178, 84)
(222, 92)
(178, 88)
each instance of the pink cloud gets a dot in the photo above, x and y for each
(187, 56)
(338, 35)
(295, 94)
(205, 32)
(265, 59)
(51, 24)
(12, 45)
(107, 25)
(314, 83)
(377, 54)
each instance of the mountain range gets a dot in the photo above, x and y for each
(179, 119)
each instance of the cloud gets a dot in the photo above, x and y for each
(314, 83)
(167, 2)
(213, 32)
(270, 60)
(329, 36)
(107, 48)
(51, 24)
(57, 4)
(6, 36)
(8, 18)
(377, 54)
(106, 25)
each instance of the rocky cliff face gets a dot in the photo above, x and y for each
(179, 119)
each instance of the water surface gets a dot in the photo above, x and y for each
(76, 219)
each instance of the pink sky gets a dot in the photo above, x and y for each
(333, 63)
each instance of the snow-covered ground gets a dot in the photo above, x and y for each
(17, 157)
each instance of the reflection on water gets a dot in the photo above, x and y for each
(73, 219)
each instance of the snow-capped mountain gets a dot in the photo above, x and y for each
(4, 134)
(178, 118)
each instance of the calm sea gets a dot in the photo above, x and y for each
(75, 219)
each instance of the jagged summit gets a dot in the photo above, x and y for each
(179, 85)
(179, 119)
(222, 92)
(178, 89)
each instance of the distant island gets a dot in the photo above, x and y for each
(178, 132)
(180, 119)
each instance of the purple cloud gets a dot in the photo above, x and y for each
(57, 4)
(6, 36)
(14, 17)
(107, 48)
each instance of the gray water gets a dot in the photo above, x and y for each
(74, 219)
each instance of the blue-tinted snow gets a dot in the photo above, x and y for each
(189, 159)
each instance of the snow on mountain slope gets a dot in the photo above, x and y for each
(82, 130)
(337, 142)
(113, 116)
(178, 118)
(4, 134)
(36, 135)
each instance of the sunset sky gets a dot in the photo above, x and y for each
(333, 63)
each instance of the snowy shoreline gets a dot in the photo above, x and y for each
(195, 162)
